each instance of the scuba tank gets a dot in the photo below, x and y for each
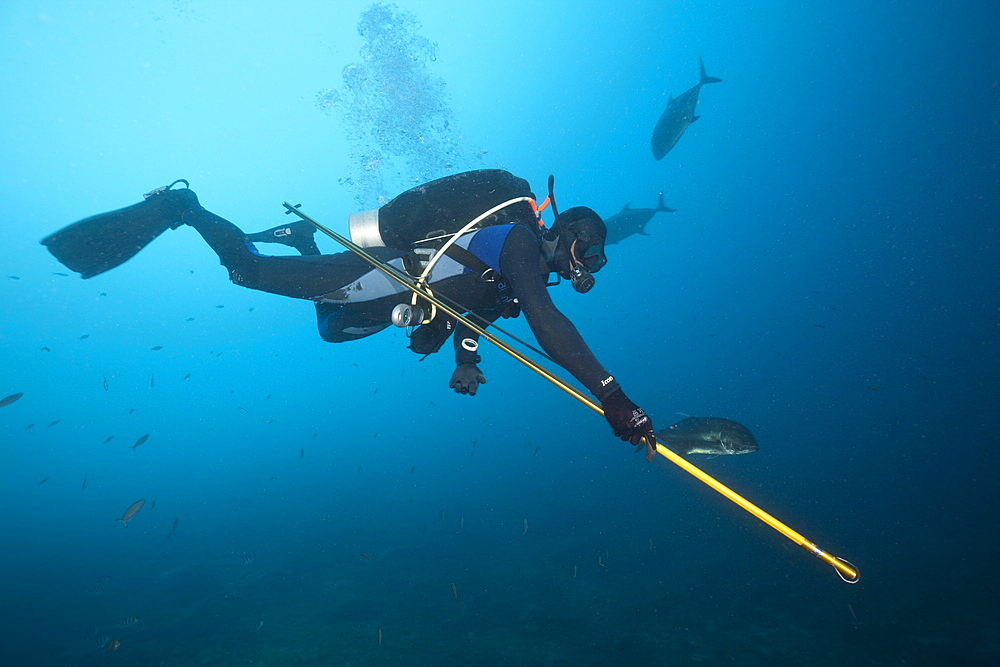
(439, 209)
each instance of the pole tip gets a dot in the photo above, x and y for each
(846, 570)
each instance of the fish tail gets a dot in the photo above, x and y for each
(705, 78)
(664, 209)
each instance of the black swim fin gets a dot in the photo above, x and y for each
(102, 242)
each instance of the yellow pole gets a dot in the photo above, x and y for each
(847, 572)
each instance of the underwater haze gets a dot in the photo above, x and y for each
(829, 280)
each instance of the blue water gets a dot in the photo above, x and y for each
(829, 279)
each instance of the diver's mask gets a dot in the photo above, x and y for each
(586, 249)
(581, 268)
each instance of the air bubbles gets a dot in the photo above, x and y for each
(396, 115)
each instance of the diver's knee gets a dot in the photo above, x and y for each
(244, 274)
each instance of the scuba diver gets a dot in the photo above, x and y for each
(475, 238)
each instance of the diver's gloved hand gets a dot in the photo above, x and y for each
(466, 379)
(629, 421)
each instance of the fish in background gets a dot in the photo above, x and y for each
(132, 510)
(708, 435)
(128, 622)
(141, 440)
(97, 588)
(629, 221)
(4, 402)
(173, 529)
(678, 115)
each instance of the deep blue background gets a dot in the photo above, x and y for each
(829, 279)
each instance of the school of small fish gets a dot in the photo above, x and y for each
(97, 588)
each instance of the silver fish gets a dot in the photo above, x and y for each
(132, 510)
(708, 435)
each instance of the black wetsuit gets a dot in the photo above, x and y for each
(334, 281)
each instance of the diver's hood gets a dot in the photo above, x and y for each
(584, 232)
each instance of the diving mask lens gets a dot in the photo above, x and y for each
(594, 259)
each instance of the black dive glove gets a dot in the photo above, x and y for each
(466, 379)
(629, 421)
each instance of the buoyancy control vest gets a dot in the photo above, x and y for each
(427, 221)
